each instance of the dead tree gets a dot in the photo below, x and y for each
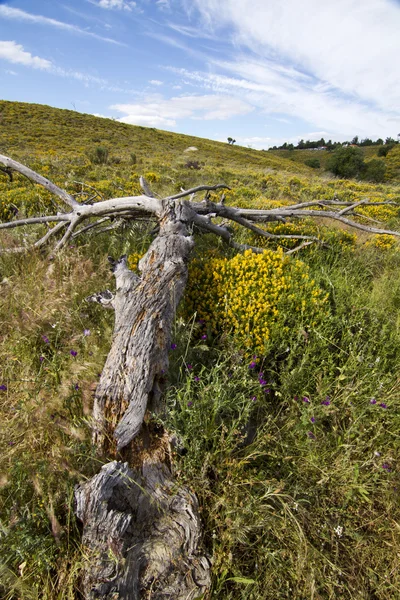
(141, 529)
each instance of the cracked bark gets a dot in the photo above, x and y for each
(142, 530)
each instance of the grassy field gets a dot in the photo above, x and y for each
(283, 384)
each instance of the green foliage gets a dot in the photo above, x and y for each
(384, 150)
(100, 155)
(374, 170)
(295, 457)
(346, 162)
(314, 163)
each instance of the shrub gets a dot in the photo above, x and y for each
(384, 150)
(314, 163)
(133, 158)
(193, 164)
(99, 156)
(346, 162)
(257, 297)
(374, 170)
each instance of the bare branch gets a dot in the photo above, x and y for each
(34, 220)
(199, 188)
(50, 233)
(222, 232)
(91, 226)
(145, 187)
(48, 185)
(300, 247)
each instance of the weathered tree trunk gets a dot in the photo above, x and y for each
(142, 530)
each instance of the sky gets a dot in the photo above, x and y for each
(260, 71)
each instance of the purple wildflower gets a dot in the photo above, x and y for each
(173, 346)
(254, 398)
(41, 358)
(73, 352)
(252, 365)
(267, 390)
(11, 443)
(229, 375)
(76, 387)
(190, 404)
(3, 388)
(311, 435)
(197, 378)
(190, 367)
(312, 419)
(383, 405)
(326, 402)
(305, 399)
(372, 401)
(45, 339)
(386, 467)
(86, 332)
(204, 336)
(296, 398)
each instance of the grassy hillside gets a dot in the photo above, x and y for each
(283, 384)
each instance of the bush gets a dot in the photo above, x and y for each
(384, 150)
(257, 297)
(314, 163)
(346, 162)
(193, 164)
(99, 156)
(374, 170)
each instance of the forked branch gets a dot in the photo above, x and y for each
(148, 205)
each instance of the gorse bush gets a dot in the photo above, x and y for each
(99, 156)
(257, 297)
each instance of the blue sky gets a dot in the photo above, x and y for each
(261, 71)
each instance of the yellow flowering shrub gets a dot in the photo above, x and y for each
(254, 296)
(381, 241)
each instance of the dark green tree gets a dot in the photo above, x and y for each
(346, 162)
(374, 170)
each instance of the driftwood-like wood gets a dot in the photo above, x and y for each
(145, 306)
(141, 534)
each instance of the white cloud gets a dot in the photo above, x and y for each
(332, 63)
(159, 112)
(15, 53)
(163, 4)
(8, 12)
(127, 5)
(156, 82)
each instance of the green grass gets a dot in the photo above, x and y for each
(299, 499)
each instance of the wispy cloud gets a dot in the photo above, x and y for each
(331, 64)
(8, 12)
(15, 53)
(127, 5)
(275, 93)
(163, 4)
(156, 82)
(157, 111)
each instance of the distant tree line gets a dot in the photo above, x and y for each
(329, 145)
